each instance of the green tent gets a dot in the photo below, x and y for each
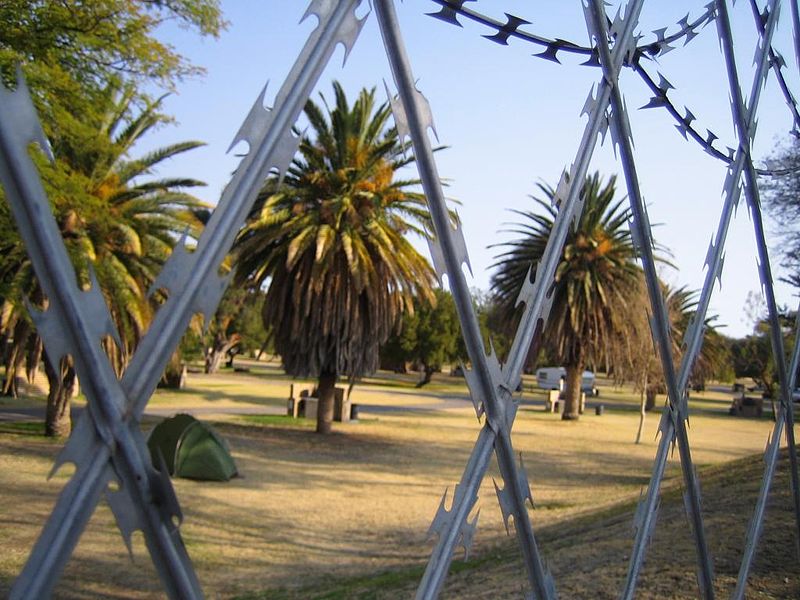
(191, 449)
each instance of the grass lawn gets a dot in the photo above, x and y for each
(353, 509)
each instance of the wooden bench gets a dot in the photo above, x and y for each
(306, 405)
(747, 406)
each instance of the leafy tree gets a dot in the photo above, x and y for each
(752, 357)
(638, 360)
(781, 198)
(681, 306)
(71, 52)
(714, 359)
(330, 240)
(593, 283)
(117, 221)
(429, 335)
(721, 368)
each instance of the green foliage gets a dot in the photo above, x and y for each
(596, 279)
(116, 219)
(752, 357)
(249, 324)
(237, 326)
(22, 428)
(430, 335)
(282, 421)
(331, 242)
(190, 346)
(492, 323)
(435, 331)
(87, 65)
(71, 51)
(714, 360)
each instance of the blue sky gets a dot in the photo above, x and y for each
(509, 120)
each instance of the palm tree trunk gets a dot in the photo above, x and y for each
(62, 384)
(325, 394)
(572, 395)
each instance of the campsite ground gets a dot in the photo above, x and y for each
(313, 515)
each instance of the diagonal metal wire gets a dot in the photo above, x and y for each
(450, 525)
(746, 131)
(412, 114)
(107, 444)
(73, 324)
(777, 63)
(621, 134)
(783, 418)
(194, 287)
(796, 30)
(693, 341)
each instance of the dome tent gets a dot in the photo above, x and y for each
(191, 449)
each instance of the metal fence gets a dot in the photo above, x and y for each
(106, 444)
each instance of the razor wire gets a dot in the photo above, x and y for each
(693, 340)
(106, 444)
(486, 382)
(194, 285)
(74, 323)
(745, 129)
(674, 419)
(673, 423)
(687, 31)
(537, 297)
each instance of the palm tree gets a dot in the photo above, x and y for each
(142, 220)
(595, 281)
(330, 239)
(681, 303)
(116, 221)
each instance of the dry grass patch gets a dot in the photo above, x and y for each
(308, 508)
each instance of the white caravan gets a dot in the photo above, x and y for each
(552, 378)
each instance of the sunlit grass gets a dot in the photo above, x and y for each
(313, 509)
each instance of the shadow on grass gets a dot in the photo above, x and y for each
(293, 445)
(120, 576)
(26, 428)
(217, 396)
(588, 555)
